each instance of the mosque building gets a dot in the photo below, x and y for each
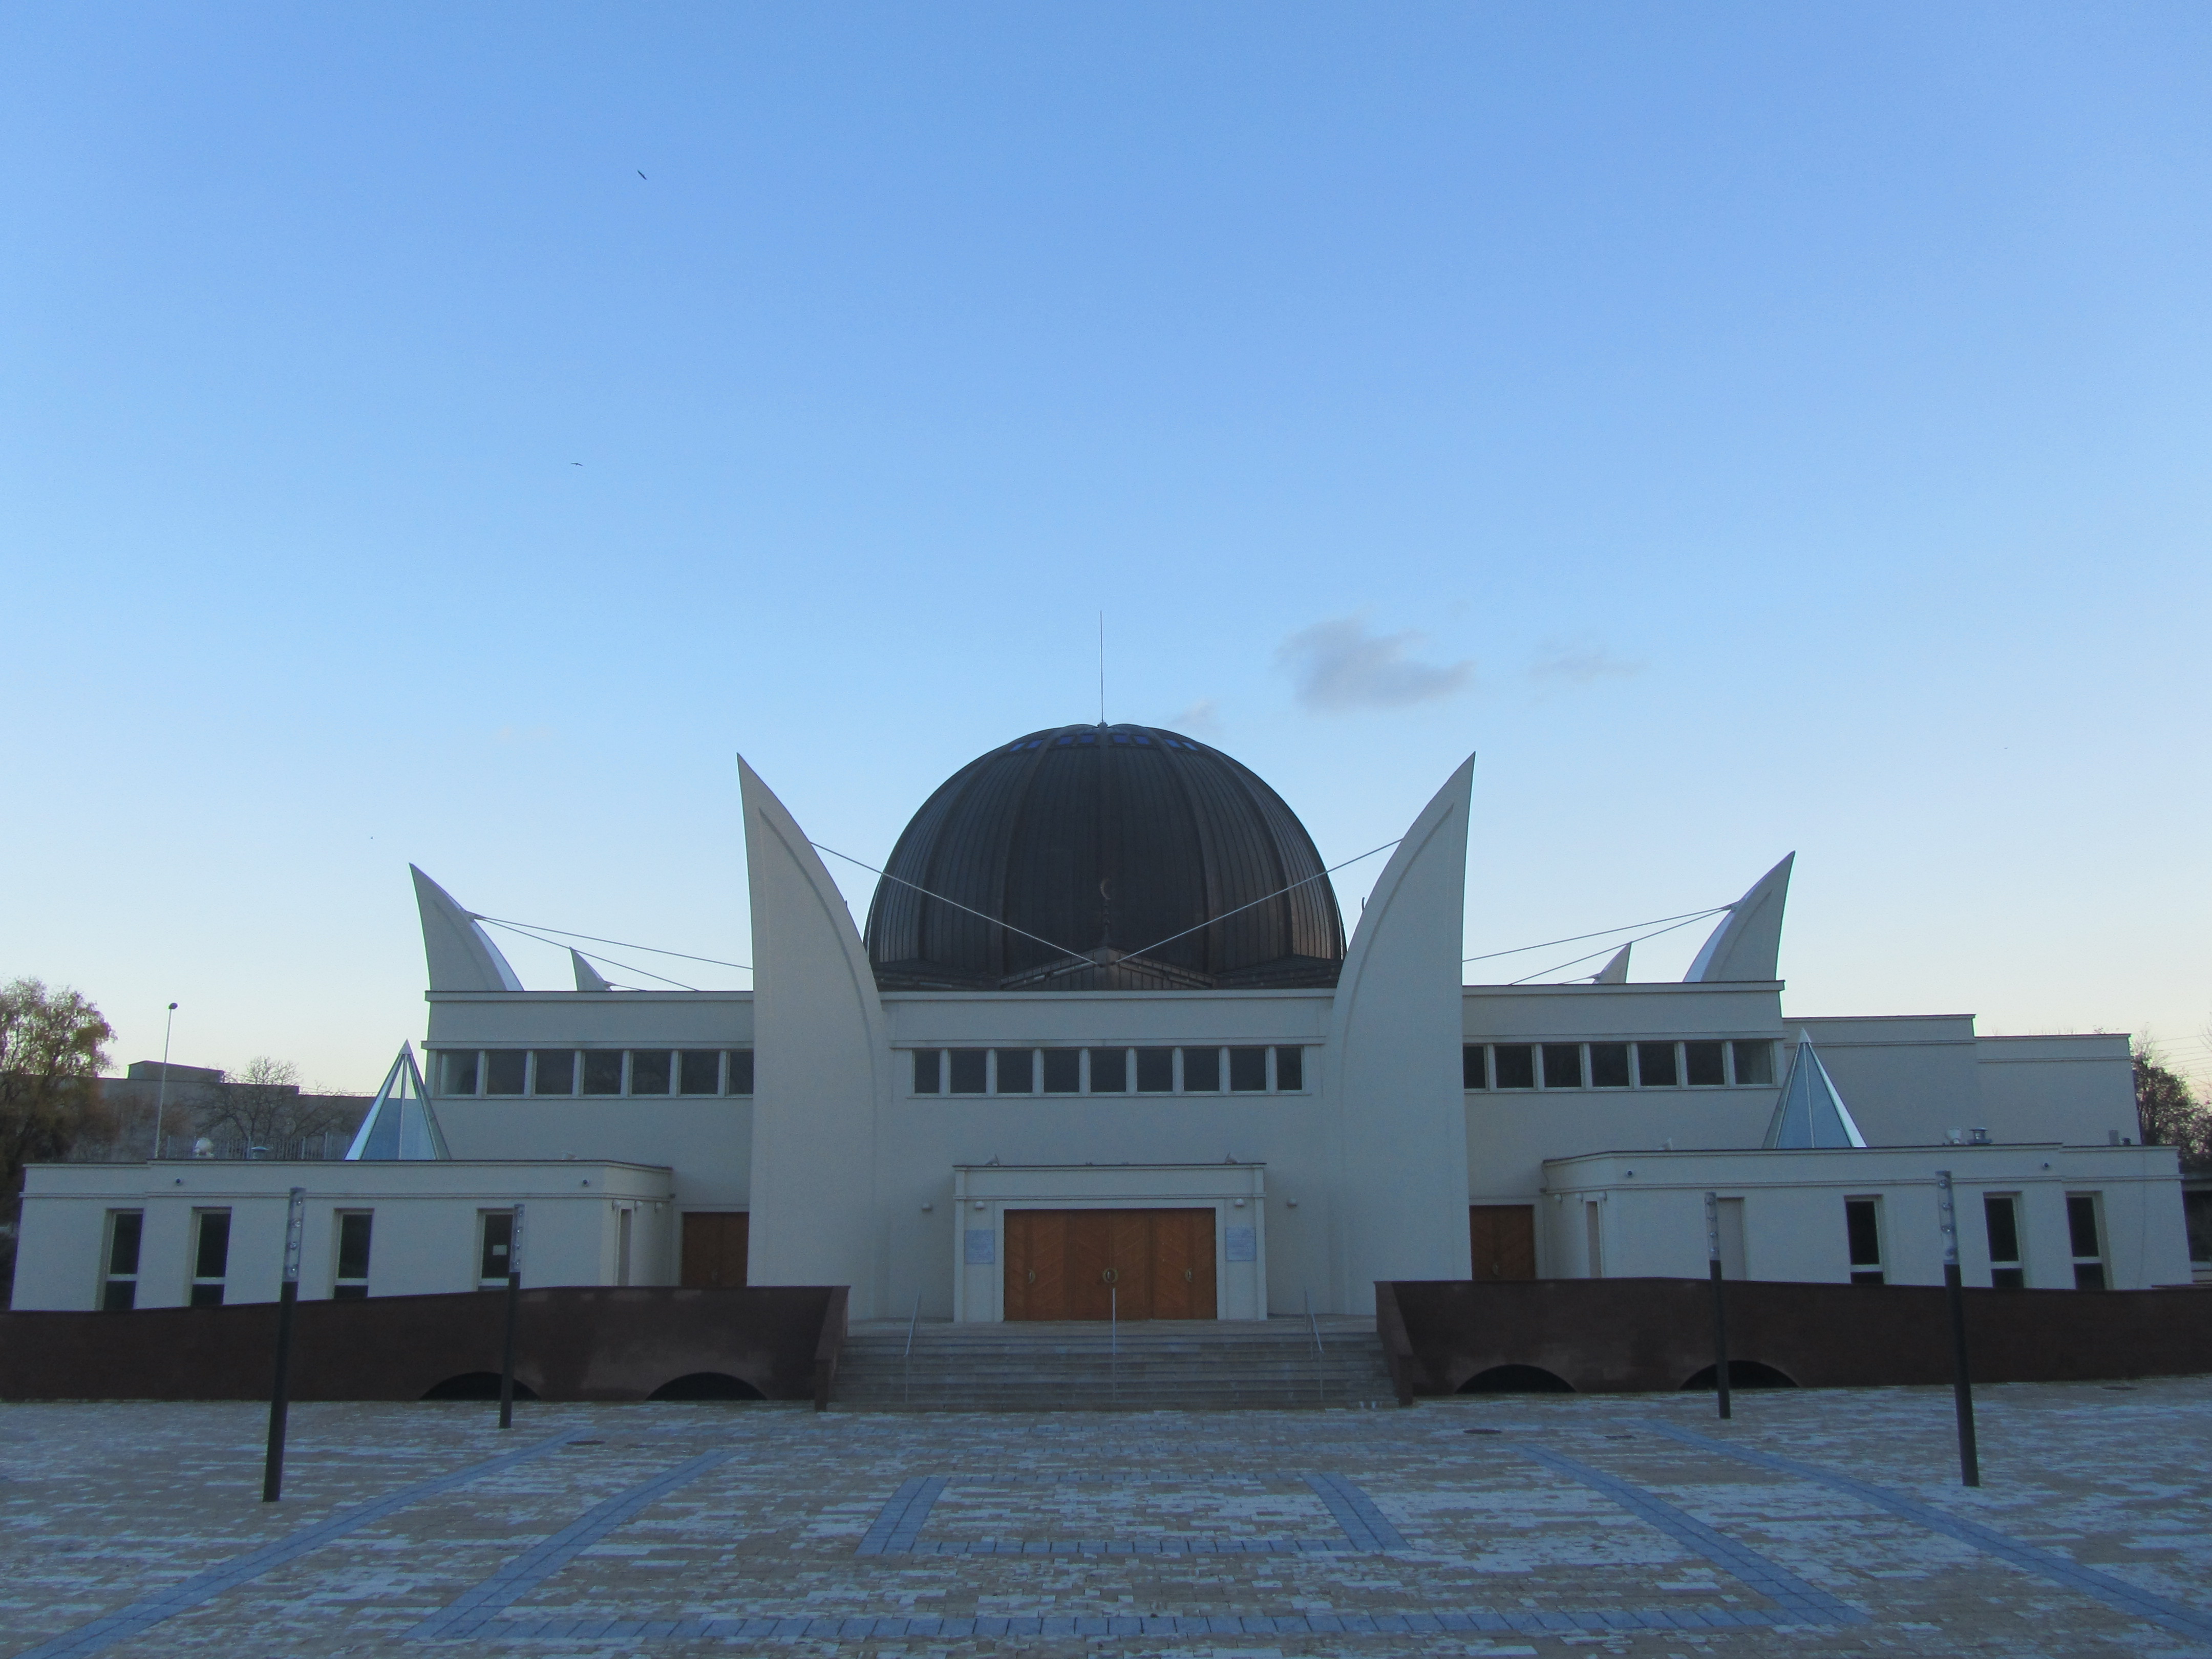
(1103, 1049)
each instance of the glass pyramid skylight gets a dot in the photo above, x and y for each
(400, 1124)
(1810, 1112)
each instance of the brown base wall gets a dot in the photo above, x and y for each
(571, 1344)
(1607, 1335)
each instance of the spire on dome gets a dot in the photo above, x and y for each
(1810, 1113)
(400, 1124)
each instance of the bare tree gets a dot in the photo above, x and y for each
(262, 1109)
(52, 1045)
(2168, 1111)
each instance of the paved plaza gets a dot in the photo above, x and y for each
(1817, 1522)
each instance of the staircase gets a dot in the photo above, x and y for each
(1084, 1365)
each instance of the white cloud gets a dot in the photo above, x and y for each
(1337, 666)
(1201, 719)
(1582, 664)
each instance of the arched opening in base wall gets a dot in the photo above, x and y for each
(477, 1385)
(707, 1385)
(1742, 1374)
(1517, 1379)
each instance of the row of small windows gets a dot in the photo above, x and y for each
(1107, 1071)
(1865, 1233)
(595, 1070)
(210, 1255)
(1616, 1064)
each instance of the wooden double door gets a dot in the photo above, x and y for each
(1502, 1238)
(714, 1242)
(1092, 1264)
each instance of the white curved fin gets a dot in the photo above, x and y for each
(1614, 972)
(461, 955)
(1748, 945)
(588, 978)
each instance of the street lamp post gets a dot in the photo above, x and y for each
(161, 1089)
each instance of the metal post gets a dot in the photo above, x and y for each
(1113, 1337)
(161, 1088)
(513, 1301)
(1962, 1383)
(280, 1389)
(1720, 1302)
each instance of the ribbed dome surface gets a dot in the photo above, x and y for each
(1137, 859)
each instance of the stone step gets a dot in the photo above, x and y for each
(1154, 1366)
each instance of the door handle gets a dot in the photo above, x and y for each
(1033, 1277)
(1108, 1277)
(1186, 1276)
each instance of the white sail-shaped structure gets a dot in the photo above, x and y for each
(400, 1124)
(1810, 1112)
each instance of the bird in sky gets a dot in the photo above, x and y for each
(640, 173)
(575, 464)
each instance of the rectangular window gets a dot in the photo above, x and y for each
(1290, 1069)
(1563, 1065)
(1473, 1066)
(1201, 1072)
(1754, 1060)
(741, 1072)
(1654, 1066)
(456, 1070)
(351, 1282)
(504, 1070)
(1515, 1065)
(555, 1071)
(1863, 1229)
(1156, 1071)
(970, 1070)
(1704, 1065)
(649, 1071)
(1017, 1071)
(2196, 1217)
(1110, 1071)
(699, 1072)
(1608, 1065)
(1063, 1071)
(602, 1072)
(118, 1289)
(2000, 1220)
(2084, 1230)
(495, 1238)
(211, 1256)
(929, 1066)
(1248, 1069)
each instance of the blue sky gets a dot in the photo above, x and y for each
(1748, 428)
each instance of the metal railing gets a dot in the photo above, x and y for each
(906, 1385)
(1321, 1372)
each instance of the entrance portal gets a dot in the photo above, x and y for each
(1092, 1264)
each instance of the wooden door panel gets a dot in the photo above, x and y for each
(1130, 1256)
(714, 1248)
(1502, 1241)
(1090, 1254)
(1199, 1226)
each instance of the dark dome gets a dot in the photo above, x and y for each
(1120, 845)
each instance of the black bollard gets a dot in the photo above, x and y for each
(1962, 1382)
(513, 1303)
(1720, 1302)
(280, 1388)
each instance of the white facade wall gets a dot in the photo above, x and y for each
(1651, 1222)
(424, 1239)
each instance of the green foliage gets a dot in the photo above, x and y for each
(2169, 1112)
(52, 1046)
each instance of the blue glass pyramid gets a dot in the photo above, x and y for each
(1810, 1112)
(400, 1124)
